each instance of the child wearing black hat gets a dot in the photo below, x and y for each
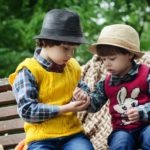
(43, 86)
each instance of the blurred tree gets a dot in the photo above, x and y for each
(22, 20)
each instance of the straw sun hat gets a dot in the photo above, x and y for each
(119, 35)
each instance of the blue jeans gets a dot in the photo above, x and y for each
(123, 140)
(74, 142)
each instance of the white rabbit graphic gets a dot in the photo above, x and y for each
(126, 103)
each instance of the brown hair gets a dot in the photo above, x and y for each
(107, 50)
(47, 42)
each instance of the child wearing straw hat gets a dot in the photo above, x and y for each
(127, 86)
(43, 86)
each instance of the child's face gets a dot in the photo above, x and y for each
(60, 54)
(118, 64)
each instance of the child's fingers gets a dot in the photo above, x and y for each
(82, 95)
(81, 105)
(75, 94)
(78, 103)
(76, 91)
(133, 115)
(79, 94)
(21, 145)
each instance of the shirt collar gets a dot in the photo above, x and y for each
(48, 65)
(116, 80)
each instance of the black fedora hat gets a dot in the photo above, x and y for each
(62, 25)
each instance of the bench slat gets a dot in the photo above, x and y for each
(8, 112)
(4, 85)
(11, 126)
(7, 98)
(10, 141)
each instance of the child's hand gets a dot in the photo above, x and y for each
(21, 145)
(133, 115)
(79, 94)
(74, 106)
(79, 105)
(81, 102)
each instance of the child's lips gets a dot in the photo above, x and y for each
(110, 70)
(65, 61)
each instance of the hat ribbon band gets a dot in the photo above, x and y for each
(48, 32)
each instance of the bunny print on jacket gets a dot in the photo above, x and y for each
(125, 103)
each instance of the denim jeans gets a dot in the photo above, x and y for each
(123, 140)
(74, 142)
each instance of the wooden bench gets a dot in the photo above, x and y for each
(11, 126)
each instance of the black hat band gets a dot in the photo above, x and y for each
(55, 32)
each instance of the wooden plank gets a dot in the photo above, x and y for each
(4, 85)
(10, 141)
(11, 126)
(8, 112)
(7, 98)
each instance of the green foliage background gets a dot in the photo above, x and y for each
(21, 21)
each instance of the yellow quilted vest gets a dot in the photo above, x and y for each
(54, 89)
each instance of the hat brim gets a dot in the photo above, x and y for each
(71, 39)
(137, 53)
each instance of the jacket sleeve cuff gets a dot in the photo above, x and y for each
(143, 116)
